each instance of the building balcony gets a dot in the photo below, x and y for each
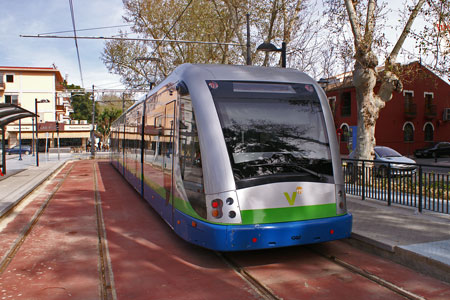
(430, 111)
(60, 108)
(410, 110)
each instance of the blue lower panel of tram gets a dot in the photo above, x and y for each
(260, 236)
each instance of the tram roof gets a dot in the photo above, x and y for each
(244, 72)
(233, 72)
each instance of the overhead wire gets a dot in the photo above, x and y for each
(173, 25)
(76, 38)
(85, 29)
(76, 43)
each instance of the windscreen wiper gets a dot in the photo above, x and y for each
(311, 172)
(314, 173)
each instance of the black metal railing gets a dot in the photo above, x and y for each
(416, 185)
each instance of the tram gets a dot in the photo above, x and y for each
(236, 157)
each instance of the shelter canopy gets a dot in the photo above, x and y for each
(10, 113)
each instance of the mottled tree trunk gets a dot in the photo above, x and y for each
(365, 80)
(365, 75)
(369, 104)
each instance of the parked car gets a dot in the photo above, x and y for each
(436, 150)
(26, 149)
(385, 156)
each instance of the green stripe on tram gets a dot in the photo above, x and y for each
(288, 214)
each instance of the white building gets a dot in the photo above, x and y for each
(26, 86)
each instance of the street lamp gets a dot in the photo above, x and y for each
(323, 82)
(37, 127)
(269, 47)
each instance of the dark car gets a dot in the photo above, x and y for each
(25, 149)
(436, 150)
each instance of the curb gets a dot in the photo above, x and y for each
(7, 210)
(407, 258)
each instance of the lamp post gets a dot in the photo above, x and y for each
(269, 47)
(3, 150)
(32, 135)
(93, 125)
(20, 140)
(37, 126)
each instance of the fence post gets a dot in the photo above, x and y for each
(363, 196)
(420, 188)
(389, 184)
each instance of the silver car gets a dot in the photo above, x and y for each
(385, 156)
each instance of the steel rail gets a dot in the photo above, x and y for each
(266, 293)
(376, 279)
(108, 290)
(259, 287)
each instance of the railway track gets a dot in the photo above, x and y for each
(107, 291)
(372, 277)
(266, 293)
(258, 286)
(259, 273)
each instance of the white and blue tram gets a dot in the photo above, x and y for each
(236, 157)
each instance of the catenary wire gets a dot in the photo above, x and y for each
(173, 25)
(85, 29)
(76, 43)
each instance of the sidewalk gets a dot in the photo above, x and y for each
(23, 176)
(419, 241)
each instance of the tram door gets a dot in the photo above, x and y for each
(168, 158)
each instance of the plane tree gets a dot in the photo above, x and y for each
(292, 21)
(365, 22)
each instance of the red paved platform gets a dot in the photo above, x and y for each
(59, 259)
(150, 261)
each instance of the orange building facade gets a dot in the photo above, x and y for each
(415, 118)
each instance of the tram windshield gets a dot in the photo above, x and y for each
(273, 132)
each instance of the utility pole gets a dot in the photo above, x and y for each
(93, 128)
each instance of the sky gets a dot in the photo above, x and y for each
(33, 17)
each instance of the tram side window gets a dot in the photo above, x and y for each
(190, 157)
(158, 141)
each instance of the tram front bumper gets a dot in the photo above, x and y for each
(260, 236)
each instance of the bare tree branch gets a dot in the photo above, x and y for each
(354, 22)
(393, 56)
(370, 23)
